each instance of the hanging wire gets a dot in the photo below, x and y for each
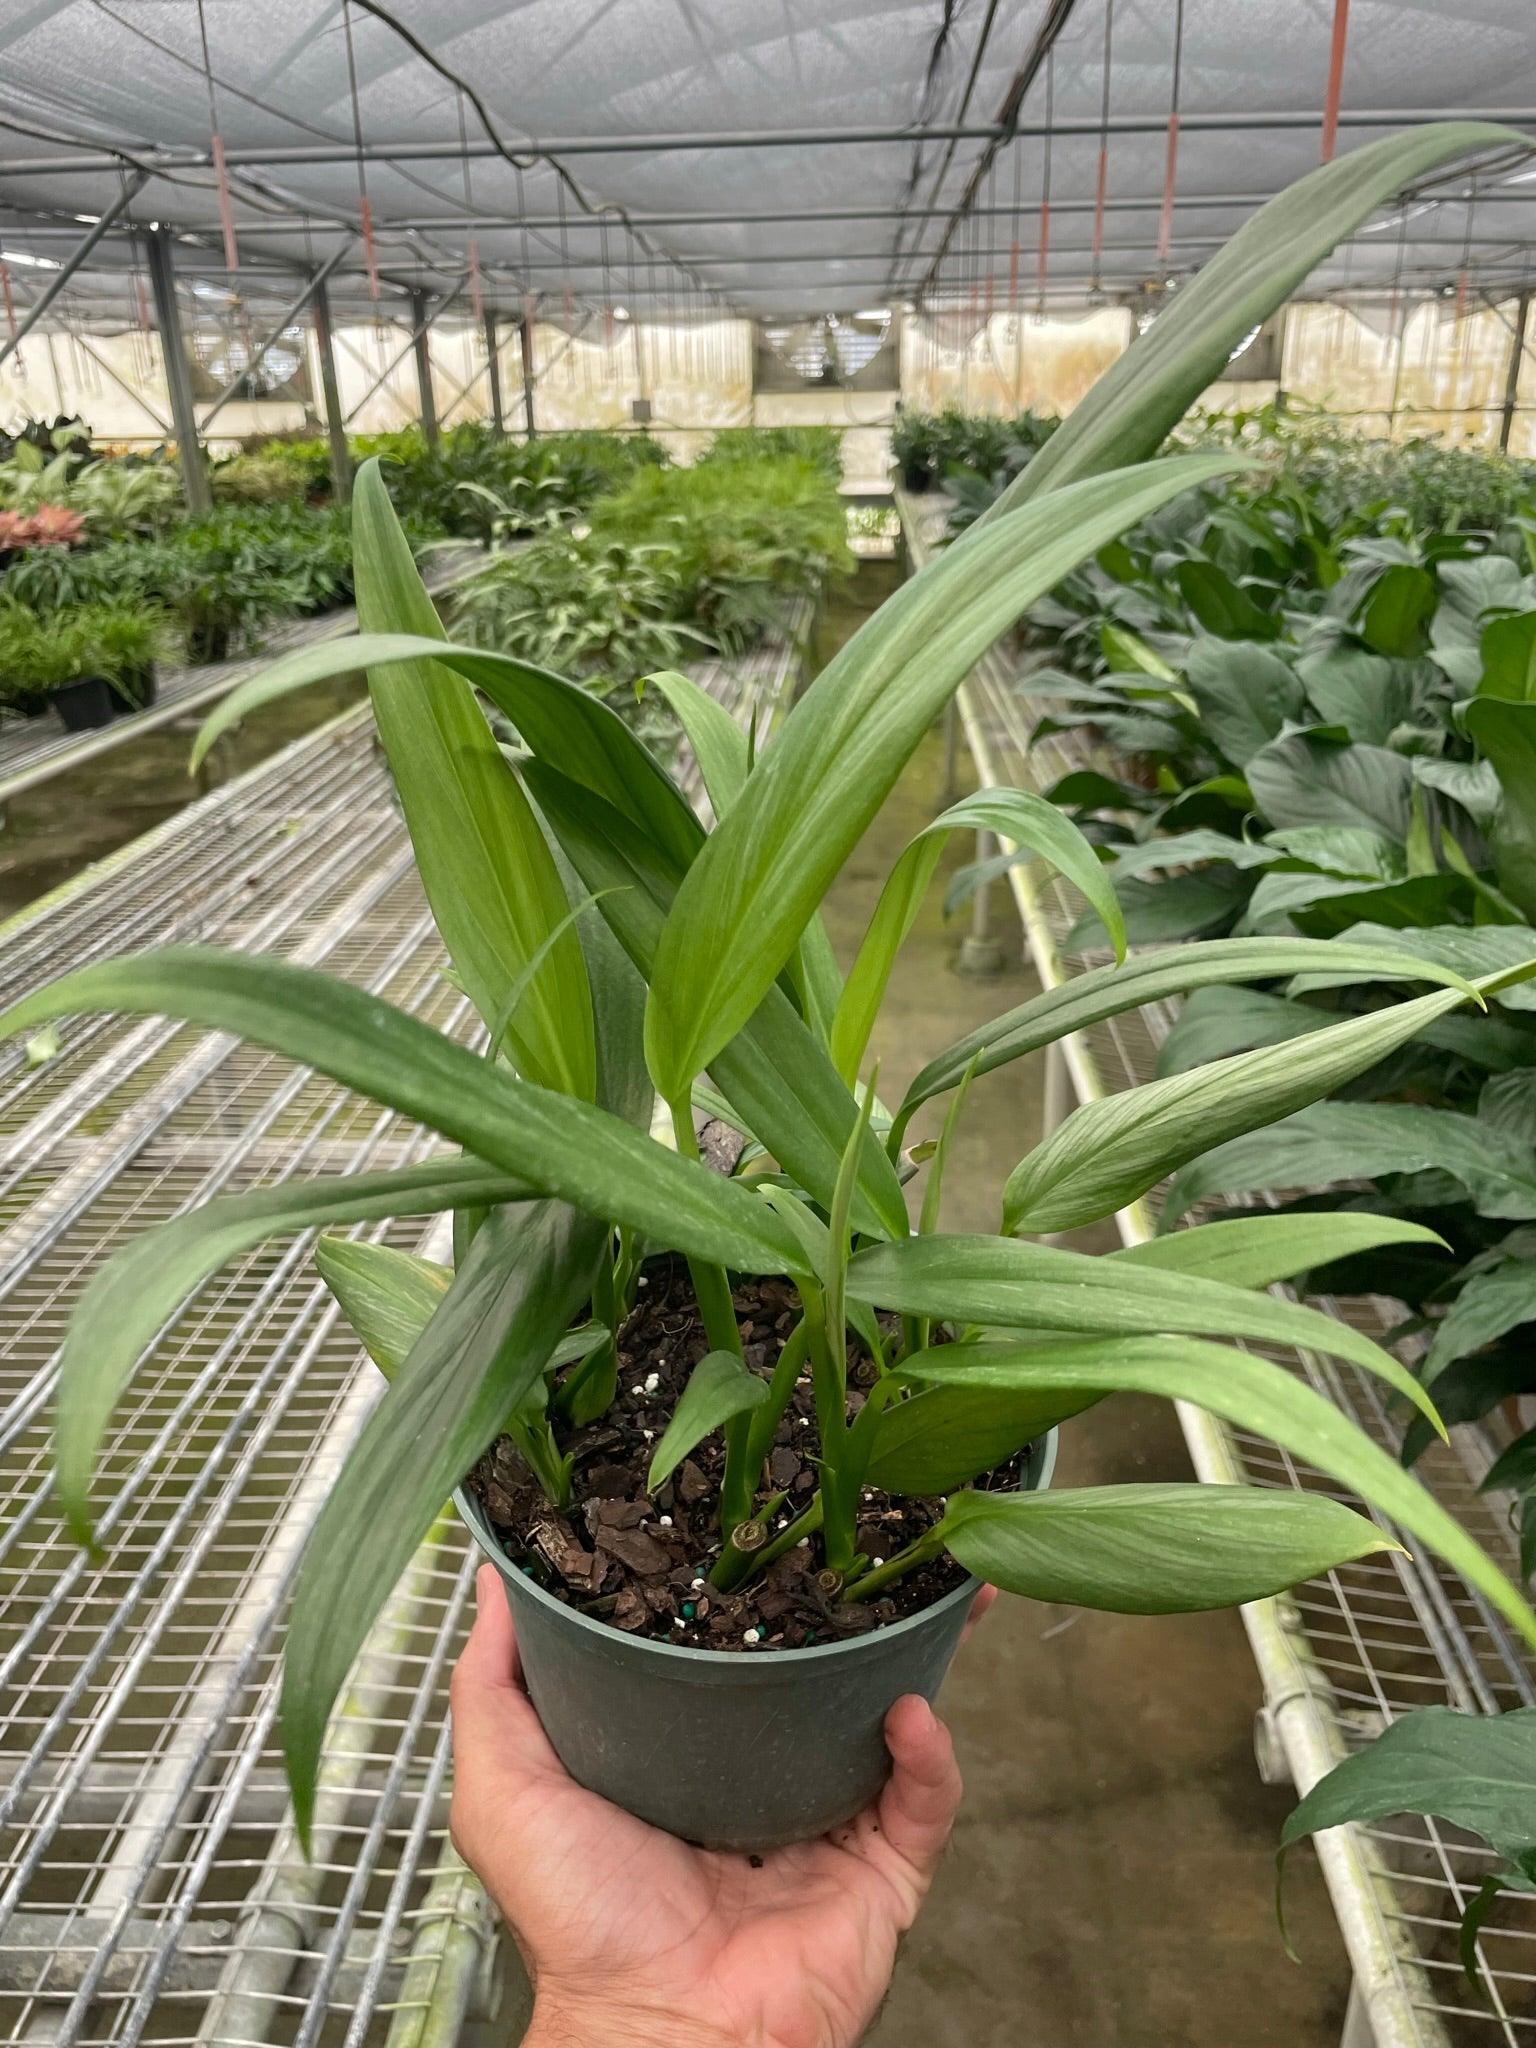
(1101, 188)
(1171, 167)
(472, 249)
(1336, 50)
(365, 211)
(220, 172)
(1013, 246)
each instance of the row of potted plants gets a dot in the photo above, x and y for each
(738, 1436)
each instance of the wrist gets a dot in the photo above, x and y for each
(586, 2023)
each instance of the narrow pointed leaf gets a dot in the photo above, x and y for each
(128, 1300)
(495, 893)
(1033, 825)
(388, 1296)
(941, 1437)
(718, 1388)
(1256, 1251)
(1246, 1391)
(1148, 977)
(1140, 399)
(1108, 1153)
(777, 1076)
(752, 890)
(564, 1146)
(1151, 1548)
(718, 742)
(526, 1275)
(999, 1280)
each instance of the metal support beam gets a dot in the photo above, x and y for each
(421, 320)
(178, 375)
(335, 425)
(525, 341)
(284, 319)
(419, 327)
(493, 372)
(1512, 377)
(62, 276)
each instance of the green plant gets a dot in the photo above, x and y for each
(479, 486)
(294, 472)
(600, 610)
(109, 498)
(820, 445)
(41, 652)
(990, 449)
(650, 955)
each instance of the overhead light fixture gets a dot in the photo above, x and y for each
(87, 220)
(621, 312)
(28, 261)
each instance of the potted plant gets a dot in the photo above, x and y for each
(126, 641)
(622, 1309)
(48, 659)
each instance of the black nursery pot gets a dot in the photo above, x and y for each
(86, 703)
(735, 1750)
(138, 690)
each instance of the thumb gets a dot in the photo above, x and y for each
(492, 1714)
(918, 1805)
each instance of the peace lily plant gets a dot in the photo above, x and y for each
(620, 956)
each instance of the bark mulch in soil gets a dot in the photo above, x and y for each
(640, 1561)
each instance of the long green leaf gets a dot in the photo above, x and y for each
(494, 890)
(526, 1275)
(1000, 1280)
(1140, 399)
(1148, 977)
(127, 1301)
(776, 1074)
(1032, 824)
(1506, 735)
(564, 1146)
(718, 742)
(1154, 1548)
(750, 893)
(388, 1296)
(719, 1388)
(1256, 1251)
(1107, 1153)
(1244, 1390)
(940, 1437)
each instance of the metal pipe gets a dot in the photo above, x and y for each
(330, 387)
(525, 343)
(1512, 375)
(452, 150)
(289, 313)
(493, 370)
(62, 276)
(396, 360)
(425, 397)
(178, 376)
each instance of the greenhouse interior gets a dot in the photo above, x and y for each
(921, 1431)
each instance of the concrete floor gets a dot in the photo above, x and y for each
(1111, 1881)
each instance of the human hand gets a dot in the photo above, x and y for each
(632, 1936)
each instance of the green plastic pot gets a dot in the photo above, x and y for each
(735, 1750)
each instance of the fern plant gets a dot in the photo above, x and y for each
(619, 955)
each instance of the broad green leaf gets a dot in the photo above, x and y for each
(1221, 606)
(1032, 824)
(566, 1147)
(1505, 734)
(775, 1073)
(127, 1301)
(1246, 1391)
(742, 905)
(1303, 779)
(1179, 907)
(718, 742)
(1153, 1548)
(1141, 398)
(1508, 650)
(1396, 612)
(495, 893)
(719, 1387)
(1333, 1141)
(1108, 1153)
(1320, 905)
(1217, 1022)
(1477, 1771)
(1460, 952)
(1352, 852)
(1128, 654)
(940, 1437)
(999, 1280)
(1149, 977)
(1256, 1251)
(388, 1296)
(1187, 849)
(1365, 693)
(526, 1275)
(1489, 1306)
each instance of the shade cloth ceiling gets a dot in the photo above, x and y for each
(772, 157)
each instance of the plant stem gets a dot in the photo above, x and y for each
(828, 1377)
(804, 1525)
(878, 1577)
(711, 1287)
(764, 1421)
(536, 1440)
(588, 1391)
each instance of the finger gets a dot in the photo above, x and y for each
(979, 1606)
(918, 1805)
